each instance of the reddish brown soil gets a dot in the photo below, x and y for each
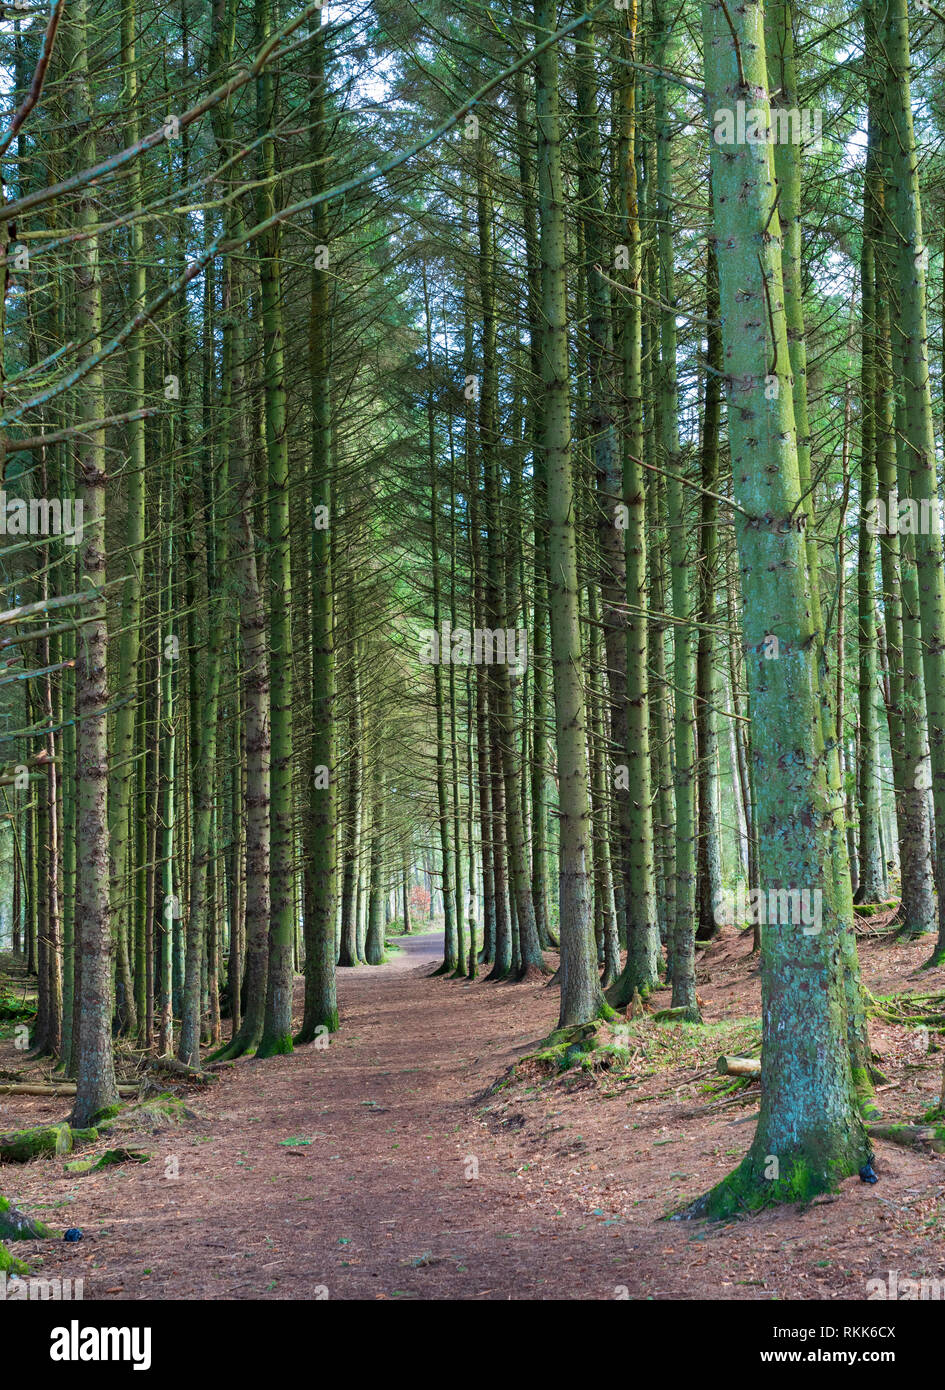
(573, 1171)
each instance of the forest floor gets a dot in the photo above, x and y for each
(388, 1165)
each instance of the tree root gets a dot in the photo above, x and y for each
(160, 1112)
(240, 1046)
(314, 1031)
(752, 1186)
(173, 1067)
(532, 975)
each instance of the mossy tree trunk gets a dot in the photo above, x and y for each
(605, 449)
(905, 706)
(253, 657)
(444, 654)
(122, 771)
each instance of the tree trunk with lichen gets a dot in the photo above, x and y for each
(809, 1133)
(782, 80)
(374, 939)
(708, 686)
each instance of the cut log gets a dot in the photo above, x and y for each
(54, 1088)
(22, 1145)
(81, 1166)
(738, 1066)
(927, 1138)
(15, 1226)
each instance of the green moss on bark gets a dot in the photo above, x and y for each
(327, 1022)
(108, 1112)
(865, 1096)
(748, 1189)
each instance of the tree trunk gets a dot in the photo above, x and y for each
(581, 997)
(809, 1124)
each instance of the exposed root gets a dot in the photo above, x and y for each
(173, 1067)
(240, 1046)
(532, 975)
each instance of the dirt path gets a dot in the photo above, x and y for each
(413, 1182)
(377, 1204)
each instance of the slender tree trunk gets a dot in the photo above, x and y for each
(581, 997)
(684, 633)
(349, 957)
(640, 973)
(95, 1070)
(320, 884)
(374, 941)
(904, 212)
(277, 1029)
(871, 878)
(708, 686)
